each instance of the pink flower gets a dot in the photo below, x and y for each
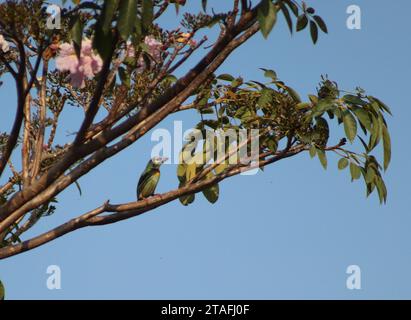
(154, 49)
(87, 67)
(4, 45)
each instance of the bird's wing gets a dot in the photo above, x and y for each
(147, 183)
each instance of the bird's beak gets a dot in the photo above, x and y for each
(164, 159)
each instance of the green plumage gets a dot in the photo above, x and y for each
(149, 179)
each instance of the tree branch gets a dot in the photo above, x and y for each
(18, 120)
(133, 209)
(38, 151)
(22, 92)
(95, 102)
(137, 126)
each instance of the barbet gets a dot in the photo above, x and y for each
(149, 178)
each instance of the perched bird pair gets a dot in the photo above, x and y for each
(149, 178)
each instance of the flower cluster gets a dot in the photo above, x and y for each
(154, 49)
(90, 63)
(87, 66)
(4, 45)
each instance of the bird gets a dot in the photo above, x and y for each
(149, 178)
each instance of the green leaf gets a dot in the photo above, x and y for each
(220, 168)
(270, 74)
(211, 193)
(310, 10)
(106, 18)
(351, 99)
(127, 17)
(387, 146)
(188, 199)
(103, 36)
(272, 145)
(303, 106)
(343, 163)
(313, 98)
(226, 77)
(190, 171)
(364, 144)
(370, 188)
(2, 291)
(237, 82)
(382, 190)
(375, 133)
(171, 78)
(313, 151)
(350, 125)
(287, 16)
(355, 171)
(323, 158)
(181, 172)
(302, 22)
(137, 34)
(369, 175)
(382, 105)
(321, 24)
(338, 113)
(293, 6)
(321, 132)
(76, 33)
(267, 16)
(363, 117)
(124, 76)
(322, 106)
(102, 42)
(293, 94)
(265, 98)
(204, 5)
(314, 31)
(148, 13)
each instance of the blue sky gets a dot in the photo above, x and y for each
(287, 233)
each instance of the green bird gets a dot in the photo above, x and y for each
(149, 178)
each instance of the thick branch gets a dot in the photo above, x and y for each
(129, 210)
(95, 102)
(138, 124)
